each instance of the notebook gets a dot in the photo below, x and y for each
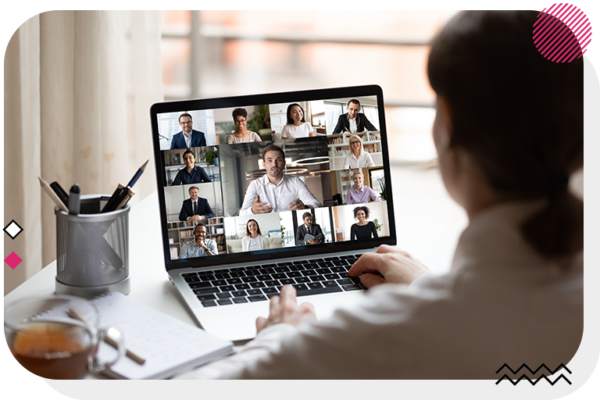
(169, 345)
(224, 281)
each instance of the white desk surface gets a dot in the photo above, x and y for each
(428, 224)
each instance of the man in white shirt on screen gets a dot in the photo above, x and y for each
(275, 191)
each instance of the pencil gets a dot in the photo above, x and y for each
(137, 175)
(59, 203)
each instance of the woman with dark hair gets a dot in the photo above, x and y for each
(363, 229)
(296, 127)
(509, 133)
(241, 134)
(191, 173)
(254, 240)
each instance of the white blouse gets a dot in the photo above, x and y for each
(500, 303)
(363, 161)
(293, 131)
(254, 244)
(261, 240)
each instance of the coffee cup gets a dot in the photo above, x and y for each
(57, 337)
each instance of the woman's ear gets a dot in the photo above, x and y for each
(442, 127)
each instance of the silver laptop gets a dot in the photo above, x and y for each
(257, 192)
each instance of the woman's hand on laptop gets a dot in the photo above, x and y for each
(285, 310)
(396, 266)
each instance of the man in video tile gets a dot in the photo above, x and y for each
(195, 208)
(353, 121)
(188, 137)
(276, 191)
(200, 246)
(309, 233)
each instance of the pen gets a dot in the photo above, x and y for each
(114, 200)
(121, 193)
(60, 192)
(74, 200)
(61, 206)
(127, 195)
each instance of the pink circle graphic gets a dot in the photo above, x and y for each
(562, 32)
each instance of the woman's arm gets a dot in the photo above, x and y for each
(353, 232)
(373, 229)
(347, 162)
(204, 176)
(264, 242)
(177, 180)
(370, 162)
(311, 130)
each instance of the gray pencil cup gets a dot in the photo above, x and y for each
(92, 249)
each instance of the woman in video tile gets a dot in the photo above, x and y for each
(296, 127)
(242, 135)
(254, 240)
(358, 157)
(191, 173)
(363, 229)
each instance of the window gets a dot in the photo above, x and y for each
(225, 53)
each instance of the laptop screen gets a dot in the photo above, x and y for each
(270, 176)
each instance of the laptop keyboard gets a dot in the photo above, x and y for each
(259, 283)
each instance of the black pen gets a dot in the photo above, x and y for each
(53, 195)
(121, 192)
(60, 192)
(74, 200)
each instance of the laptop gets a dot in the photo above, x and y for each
(261, 191)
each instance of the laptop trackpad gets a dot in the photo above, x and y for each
(239, 322)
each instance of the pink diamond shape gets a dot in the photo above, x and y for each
(13, 260)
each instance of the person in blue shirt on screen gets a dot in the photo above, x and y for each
(200, 246)
(191, 173)
(187, 137)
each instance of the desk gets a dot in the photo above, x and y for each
(428, 224)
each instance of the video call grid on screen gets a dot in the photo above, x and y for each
(220, 166)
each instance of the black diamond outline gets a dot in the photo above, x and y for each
(9, 235)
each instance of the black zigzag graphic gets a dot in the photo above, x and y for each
(532, 382)
(538, 368)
